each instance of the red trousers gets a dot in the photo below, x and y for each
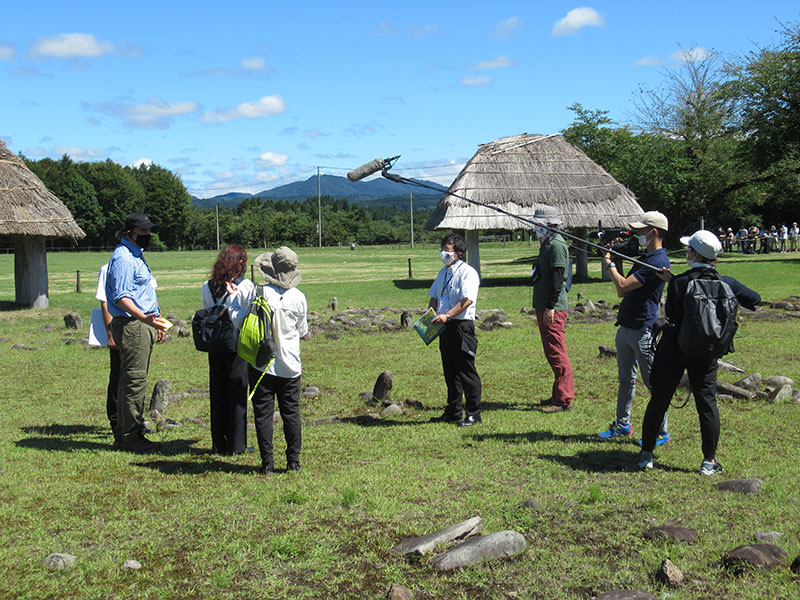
(555, 350)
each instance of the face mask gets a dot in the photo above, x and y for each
(642, 240)
(142, 240)
(447, 257)
(541, 232)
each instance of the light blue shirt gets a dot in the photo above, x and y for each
(130, 277)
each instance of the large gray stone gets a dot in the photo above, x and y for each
(392, 409)
(781, 394)
(760, 556)
(777, 381)
(398, 592)
(626, 595)
(494, 545)
(669, 574)
(421, 545)
(751, 382)
(734, 390)
(726, 366)
(131, 564)
(751, 485)
(58, 560)
(671, 532)
(767, 536)
(160, 398)
(72, 320)
(383, 387)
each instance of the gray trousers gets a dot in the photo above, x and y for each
(634, 352)
(135, 342)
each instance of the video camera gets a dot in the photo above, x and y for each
(615, 238)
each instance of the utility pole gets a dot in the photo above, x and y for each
(319, 209)
(411, 207)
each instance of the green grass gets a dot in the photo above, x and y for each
(210, 527)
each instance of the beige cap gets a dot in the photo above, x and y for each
(652, 218)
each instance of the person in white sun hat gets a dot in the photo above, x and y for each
(671, 358)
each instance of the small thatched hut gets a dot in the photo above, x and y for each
(30, 213)
(519, 172)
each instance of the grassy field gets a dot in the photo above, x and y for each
(211, 527)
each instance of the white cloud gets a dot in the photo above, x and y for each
(6, 51)
(413, 30)
(505, 29)
(157, 114)
(266, 177)
(648, 61)
(255, 63)
(476, 81)
(142, 162)
(501, 62)
(576, 19)
(71, 45)
(78, 153)
(695, 54)
(154, 114)
(265, 107)
(273, 159)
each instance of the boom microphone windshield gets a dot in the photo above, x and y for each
(366, 170)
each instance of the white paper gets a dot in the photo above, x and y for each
(97, 329)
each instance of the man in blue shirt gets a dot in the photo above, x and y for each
(135, 326)
(641, 294)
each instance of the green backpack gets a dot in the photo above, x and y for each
(256, 344)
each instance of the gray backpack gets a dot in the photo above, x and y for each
(709, 316)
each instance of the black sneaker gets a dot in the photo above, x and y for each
(293, 466)
(470, 421)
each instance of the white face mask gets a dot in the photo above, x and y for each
(447, 257)
(541, 232)
(642, 240)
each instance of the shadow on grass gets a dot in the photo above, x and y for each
(603, 461)
(66, 430)
(58, 439)
(9, 306)
(185, 467)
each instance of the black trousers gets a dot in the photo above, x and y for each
(288, 394)
(462, 379)
(669, 364)
(227, 380)
(113, 385)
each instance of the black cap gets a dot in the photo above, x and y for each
(139, 220)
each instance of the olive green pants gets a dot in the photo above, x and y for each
(135, 342)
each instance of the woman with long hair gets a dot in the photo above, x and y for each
(227, 371)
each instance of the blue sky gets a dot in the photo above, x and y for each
(245, 96)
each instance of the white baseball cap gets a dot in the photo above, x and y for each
(705, 243)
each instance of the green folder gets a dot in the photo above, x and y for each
(427, 330)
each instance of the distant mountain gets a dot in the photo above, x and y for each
(376, 192)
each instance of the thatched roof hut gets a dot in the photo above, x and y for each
(519, 172)
(30, 213)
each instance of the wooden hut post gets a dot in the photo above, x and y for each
(581, 258)
(473, 251)
(30, 272)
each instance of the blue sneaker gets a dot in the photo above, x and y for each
(615, 430)
(660, 440)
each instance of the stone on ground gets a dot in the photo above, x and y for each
(421, 545)
(494, 545)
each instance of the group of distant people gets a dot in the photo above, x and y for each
(454, 294)
(126, 289)
(753, 240)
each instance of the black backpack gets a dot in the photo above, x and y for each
(213, 330)
(709, 316)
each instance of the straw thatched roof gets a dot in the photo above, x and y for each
(27, 207)
(519, 172)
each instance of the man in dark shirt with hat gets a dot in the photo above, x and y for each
(135, 325)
